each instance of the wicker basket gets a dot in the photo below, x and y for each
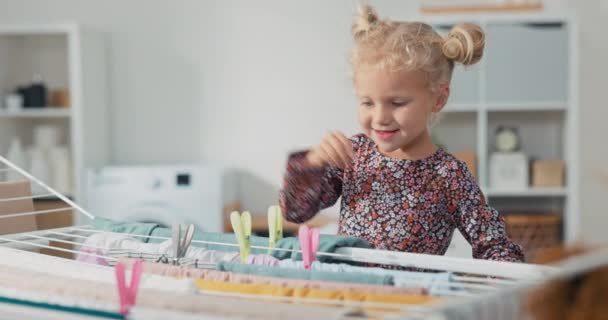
(534, 232)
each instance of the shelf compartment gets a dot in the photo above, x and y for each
(527, 62)
(457, 131)
(542, 133)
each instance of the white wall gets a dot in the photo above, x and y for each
(593, 18)
(278, 80)
(242, 82)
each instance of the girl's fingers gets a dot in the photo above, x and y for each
(348, 145)
(341, 150)
(330, 155)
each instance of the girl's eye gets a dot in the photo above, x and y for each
(367, 103)
(399, 103)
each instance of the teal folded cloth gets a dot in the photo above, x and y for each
(327, 243)
(434, 282)
(290, 273)
(136, 228)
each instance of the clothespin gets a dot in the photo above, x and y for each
(180, 246)
(128, 294)
(309, 244)
(241, 225)
(186, 241)
(275, 227)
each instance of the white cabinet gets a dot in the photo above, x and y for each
(526, 79)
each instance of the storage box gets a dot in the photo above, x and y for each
(534, 232)
(509, 171)
(53, 220)
(548, 173)
(60, 98)
(16, 189)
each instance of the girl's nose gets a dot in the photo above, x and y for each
(382, 116)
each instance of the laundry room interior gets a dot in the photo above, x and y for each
(205, 97)
(162, 113)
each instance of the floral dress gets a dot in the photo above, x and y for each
(400, 205)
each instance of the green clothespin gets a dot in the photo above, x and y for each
(275, 227)
(241, 224)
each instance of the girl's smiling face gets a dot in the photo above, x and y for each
(395, 109)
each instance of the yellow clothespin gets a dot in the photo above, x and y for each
(241, 224)
(275, 226)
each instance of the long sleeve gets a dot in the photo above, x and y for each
(308, 190)
(482, 226)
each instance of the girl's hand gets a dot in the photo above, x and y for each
(335, 149)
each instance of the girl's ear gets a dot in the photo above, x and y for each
(443, 93)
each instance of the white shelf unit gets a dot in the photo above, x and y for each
(528, 78)
(49, 112)
(67, 55)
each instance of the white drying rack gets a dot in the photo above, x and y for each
(476, 279)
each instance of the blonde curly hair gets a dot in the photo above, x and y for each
(413, 46)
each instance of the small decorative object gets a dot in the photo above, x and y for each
(507, 139)
(469, 158)
(35, 94)
(13, 102)
(509, 171)
(548, 173)
(508, 167)
(60, 98)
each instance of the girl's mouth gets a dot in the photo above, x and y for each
(386, 134)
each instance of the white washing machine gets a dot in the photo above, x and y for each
(161, 194)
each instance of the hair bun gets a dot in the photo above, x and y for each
(464, 44)
(365, 21)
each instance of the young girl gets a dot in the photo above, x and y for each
(399, 191)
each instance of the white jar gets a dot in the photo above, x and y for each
(61, 169)
(39, 168)
(47, 137)
(13, 102)
(16, 155)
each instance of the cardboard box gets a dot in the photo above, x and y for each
(548, 173)
(60, 98)
(16, 189)
(53, 220)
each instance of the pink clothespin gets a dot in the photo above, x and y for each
(309, 244)
(128, 294)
